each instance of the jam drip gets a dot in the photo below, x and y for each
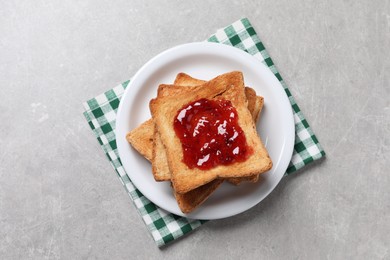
(210, 134)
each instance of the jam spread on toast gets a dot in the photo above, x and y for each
(210, 134)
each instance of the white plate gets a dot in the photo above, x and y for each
(206, 61)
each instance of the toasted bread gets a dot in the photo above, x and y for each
(143, 143)
(255, 105)
(141, 138)
(190, 200)
(164, 108)
(159, 161)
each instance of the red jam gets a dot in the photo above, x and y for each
(210, 134)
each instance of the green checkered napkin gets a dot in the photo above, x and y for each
(100, 113)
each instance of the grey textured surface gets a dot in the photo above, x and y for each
(59, 197)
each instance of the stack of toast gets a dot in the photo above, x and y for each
(158, 142)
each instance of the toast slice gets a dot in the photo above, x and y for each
(142, 141)
(255, 105)
(171, 98)
(143, 138)
(189, 201)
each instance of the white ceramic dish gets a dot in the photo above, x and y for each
(206, 61)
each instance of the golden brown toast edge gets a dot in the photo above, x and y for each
(191, 200)
(141, 138)
(160, 167)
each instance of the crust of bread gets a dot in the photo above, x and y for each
(164, 108)
(141, 138)
(255, 103)
(183, 79)
(160, 166)
(191, 200)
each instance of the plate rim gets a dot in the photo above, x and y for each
(156, 61)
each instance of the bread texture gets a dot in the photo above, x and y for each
(160, 166)
(141, 138)
(255, 103)
(191, 200)
(171, 98)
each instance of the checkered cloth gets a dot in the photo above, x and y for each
(100, 113)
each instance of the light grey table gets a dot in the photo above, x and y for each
(59, 197)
